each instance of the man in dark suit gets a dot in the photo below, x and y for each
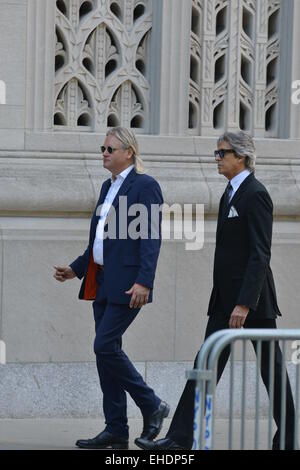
(243, 292)
(118, 270)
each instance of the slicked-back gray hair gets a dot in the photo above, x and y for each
(243, 145)
(128, 141)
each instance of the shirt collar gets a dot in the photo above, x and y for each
(123, 174)
(238, 179)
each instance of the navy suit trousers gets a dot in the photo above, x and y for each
(116, 373)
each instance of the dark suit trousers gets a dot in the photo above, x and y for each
(116, 373)
(181, 428)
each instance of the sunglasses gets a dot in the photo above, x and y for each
(222, 152)
(109, 149)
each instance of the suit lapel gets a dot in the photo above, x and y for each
(220, 218)
(234, 200)
(127, 183)
(104, 190)
(241, 189)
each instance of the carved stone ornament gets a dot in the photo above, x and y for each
(234, 73)
(101, 67)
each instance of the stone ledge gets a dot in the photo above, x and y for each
(54, 186)
(153, 144)
(71, 390)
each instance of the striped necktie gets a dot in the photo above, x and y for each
(227, 195)
(228, 192)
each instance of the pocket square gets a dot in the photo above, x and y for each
(233, 213)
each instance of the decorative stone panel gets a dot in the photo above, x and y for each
(102, 64)
(234, 67)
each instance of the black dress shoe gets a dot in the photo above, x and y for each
(153, 423)
(286, 446)
(104, 440)
(160, 444)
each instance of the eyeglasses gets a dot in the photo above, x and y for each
(109, 149)
(222, 152)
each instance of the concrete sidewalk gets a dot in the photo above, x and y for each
(61, 434)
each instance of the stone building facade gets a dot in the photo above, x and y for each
(179, 73)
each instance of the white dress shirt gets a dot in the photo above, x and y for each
(111, 194)
(237, 181)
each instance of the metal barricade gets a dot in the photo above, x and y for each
(205, 375)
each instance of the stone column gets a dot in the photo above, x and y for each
(170, 65)
(234, 66)
(12, 74)
(260, 68)
(208, 69)
(40, 64)
(295, 70)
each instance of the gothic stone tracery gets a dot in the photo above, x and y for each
(101, 64)
(102, 72)
(234, 74)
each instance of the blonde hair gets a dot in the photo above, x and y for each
(128, 141)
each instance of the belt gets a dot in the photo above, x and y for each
(101, 266)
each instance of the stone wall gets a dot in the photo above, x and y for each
(179, 72)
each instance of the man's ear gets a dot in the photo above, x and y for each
(130, 154)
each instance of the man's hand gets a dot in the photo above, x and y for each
(238, 316)
(139, 295)
(62, 273)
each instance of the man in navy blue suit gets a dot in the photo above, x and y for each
(118, 270)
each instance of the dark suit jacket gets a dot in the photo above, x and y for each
(126, 261)
(242, 273)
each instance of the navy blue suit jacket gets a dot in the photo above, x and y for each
(126, 260)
